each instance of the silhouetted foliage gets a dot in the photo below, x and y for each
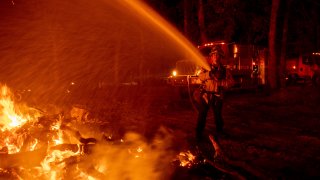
(247, 21)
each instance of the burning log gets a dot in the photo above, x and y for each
(4, 150)
(77, 135)
(40, 131)
(23, 159)
(31, 139)
(31, 159)
(74, 163)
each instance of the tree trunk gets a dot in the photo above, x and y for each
(203, 36)
(185, 17)
(282, 69)
(272, 64)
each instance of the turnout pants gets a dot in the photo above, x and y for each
(206, 102)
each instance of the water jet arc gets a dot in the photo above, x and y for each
(158, 21)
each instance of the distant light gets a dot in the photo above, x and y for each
(72, 83)
(174, 73)
(212, 43)
(235, 51)
(253, 63)
(294, 67)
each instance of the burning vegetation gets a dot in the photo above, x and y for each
(37, 144)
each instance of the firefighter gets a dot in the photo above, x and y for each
(211, 91)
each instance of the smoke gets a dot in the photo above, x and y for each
(133, 158)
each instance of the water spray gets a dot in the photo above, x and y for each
(168, 29)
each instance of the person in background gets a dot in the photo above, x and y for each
(214, 82)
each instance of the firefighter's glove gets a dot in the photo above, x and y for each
(218, 73)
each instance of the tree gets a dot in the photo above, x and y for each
(203, 36)
(272, 71)
(282, 64)
(185, 17)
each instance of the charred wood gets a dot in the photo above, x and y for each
(23, 159)
(34, 158)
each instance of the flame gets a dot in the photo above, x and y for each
(137, 153)
(34, 144)
(104, 162)
(58, 137)
(186, 159)
(12, 118)
(9, 118)
(53, 164)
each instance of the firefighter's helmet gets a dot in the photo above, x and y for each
(217, 50)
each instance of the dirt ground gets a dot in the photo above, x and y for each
(272, 136)
(277, 134)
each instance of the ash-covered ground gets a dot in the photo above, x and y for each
(272, 135)
(267, 135)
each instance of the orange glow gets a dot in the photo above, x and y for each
(198, 72)
(294, 67)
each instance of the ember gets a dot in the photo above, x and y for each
(186, 159)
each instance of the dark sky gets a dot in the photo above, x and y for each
(248, 21)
